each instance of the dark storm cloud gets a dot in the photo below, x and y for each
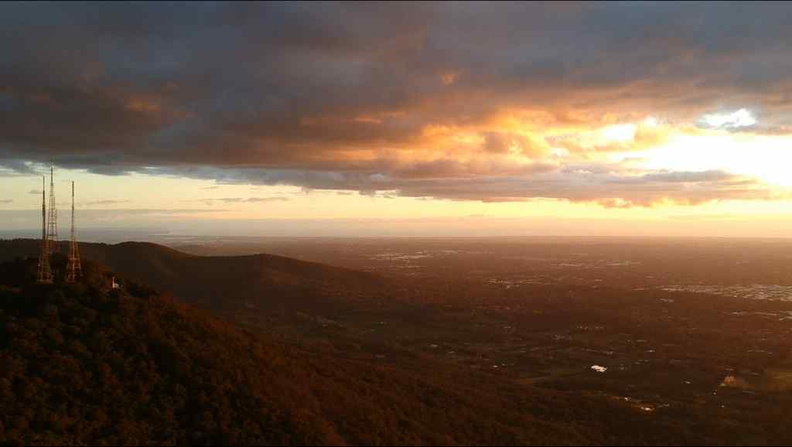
(321, 95)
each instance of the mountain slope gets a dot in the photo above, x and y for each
(220, 283)
(83, 364)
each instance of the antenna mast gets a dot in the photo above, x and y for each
(74, 268)
(44, 275)
(52, 221)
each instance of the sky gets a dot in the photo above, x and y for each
(400, 119)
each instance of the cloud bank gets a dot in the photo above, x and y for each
(460, 101)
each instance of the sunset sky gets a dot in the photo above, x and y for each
(401, 119)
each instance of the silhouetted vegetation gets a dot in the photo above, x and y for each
(87, 365)
(91, 365)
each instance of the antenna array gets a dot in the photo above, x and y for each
(74, 267)
(44, 275)
(52, 219)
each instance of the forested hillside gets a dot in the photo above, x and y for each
(84, 364)
(222, 284)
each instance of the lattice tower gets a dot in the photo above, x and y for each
(44, 275)
(74, 267)
(52, 217)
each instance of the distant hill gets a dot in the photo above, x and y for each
(83, 364)
(220, 283)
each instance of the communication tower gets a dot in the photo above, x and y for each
(74, 268)
(44, 275)
(52, 220)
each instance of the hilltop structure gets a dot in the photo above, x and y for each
(44, 275)
(52, 219)
(49, 237)
(74, 267)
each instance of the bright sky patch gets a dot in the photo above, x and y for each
(732, 120)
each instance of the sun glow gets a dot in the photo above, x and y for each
(619, 133)
(767, 158)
